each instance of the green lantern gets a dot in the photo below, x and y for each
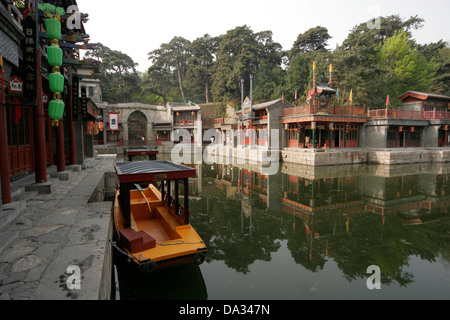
(56, 82)
(53, 28)
(55, 56)
(56, 109)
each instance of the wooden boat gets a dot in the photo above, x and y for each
(151, 225)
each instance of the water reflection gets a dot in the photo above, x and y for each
(328, 222)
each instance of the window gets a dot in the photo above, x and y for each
(91, 92)
(391, 135)
(414, 135)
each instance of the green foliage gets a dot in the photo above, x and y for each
(120, 80)
(221, 110)
(372, 62)
(315, 39)
(405, 67)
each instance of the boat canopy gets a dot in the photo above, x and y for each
(131, 174)
(157, 170)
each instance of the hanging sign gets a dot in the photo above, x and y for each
(75, 97)
(45, 98)
(84, 106)
(114, 121)
(29, 58)
(15, 86)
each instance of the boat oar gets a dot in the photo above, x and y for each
(142, 192)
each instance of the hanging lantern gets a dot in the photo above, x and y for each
(55, 55)
(192, 113)
(313, 125)
(400, 129)
(89, 127)
(56, 109)
(413, 129)
(100, 126)
(331, 126)
(53, 28)
(446, 127)
(56, 82)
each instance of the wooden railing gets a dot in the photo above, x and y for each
(333, 110)
(408, 114)
(185, 123)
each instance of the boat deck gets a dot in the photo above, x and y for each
(151, 215)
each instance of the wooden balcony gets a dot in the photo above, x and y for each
(186, 123)
(408, 114)
(330, 110)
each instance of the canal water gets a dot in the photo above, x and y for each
(311, 233)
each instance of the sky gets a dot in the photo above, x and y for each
(140, 26)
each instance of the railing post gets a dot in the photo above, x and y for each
(186, 200)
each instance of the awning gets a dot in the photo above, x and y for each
(157, 170)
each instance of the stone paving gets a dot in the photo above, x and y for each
(58, 239)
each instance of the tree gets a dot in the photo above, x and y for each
(120, 79)
(315, 39)
(200, 64)
(406, 68)
(297, 77)
(241, 53)
(440, 53)
(356, 62)
(172, 55)
(236, 59)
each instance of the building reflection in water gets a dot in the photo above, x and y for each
(355, 215)
(350, 216)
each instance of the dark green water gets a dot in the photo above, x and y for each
(311, 233)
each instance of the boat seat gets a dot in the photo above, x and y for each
(136, 241)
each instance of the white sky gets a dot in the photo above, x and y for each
(137, 27)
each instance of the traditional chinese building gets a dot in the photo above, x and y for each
(323, 123)
(32, 135)
(256, 122)
(187, 122)
(421, 120)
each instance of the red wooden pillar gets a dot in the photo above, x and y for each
(39, 129)
(72, 153)
(5, 165)
(61, 165)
